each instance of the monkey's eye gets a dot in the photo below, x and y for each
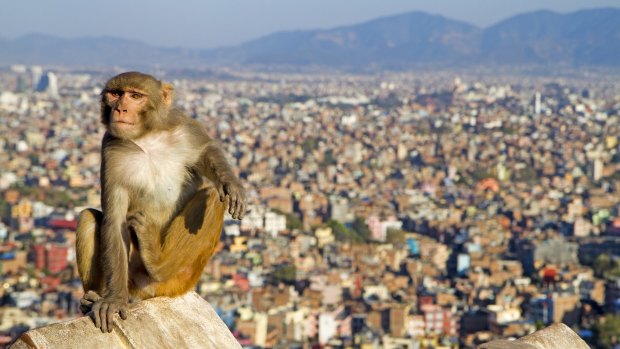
(113, 95)
(136, 95)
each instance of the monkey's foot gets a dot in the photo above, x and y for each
(86, 303)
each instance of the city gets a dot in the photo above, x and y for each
(397, 210)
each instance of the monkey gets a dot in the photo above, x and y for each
(165, 188)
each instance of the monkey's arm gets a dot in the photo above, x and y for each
(214, 166)
(114, 253)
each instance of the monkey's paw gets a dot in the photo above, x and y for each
(234, 192)
(103, 311)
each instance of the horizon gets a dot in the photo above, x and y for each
(195, 21)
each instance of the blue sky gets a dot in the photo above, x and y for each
(213, 23)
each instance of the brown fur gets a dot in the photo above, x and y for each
(160, 221)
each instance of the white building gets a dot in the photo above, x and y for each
(231, 228)
(328, 326)
(37, 72)
(501, 316)
(254, 219)
(274, 223)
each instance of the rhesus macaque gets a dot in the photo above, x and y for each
(160, 220)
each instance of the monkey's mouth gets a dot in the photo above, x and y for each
(123, 122)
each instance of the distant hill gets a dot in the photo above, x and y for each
(588, 37)
(396, 40)
(582, 38)
(91, 52)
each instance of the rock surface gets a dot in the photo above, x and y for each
(181, 322)
(555, 336)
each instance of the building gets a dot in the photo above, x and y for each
(48, 83)
(379, 228)
(334, 324)
(339, 209)
(324, 236)
(555, 307)
(12, 261)
(231, 228)
(50, 256)
(556, 251)
(440, 321)
(499, 315)
(254, 219)
(400, 343)
(274, 223)
(36, 72)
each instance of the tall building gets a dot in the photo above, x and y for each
(537, 103)
(48, 83)
(36, 72)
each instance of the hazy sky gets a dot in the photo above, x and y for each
(212, 23)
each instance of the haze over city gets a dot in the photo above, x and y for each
(215, 23)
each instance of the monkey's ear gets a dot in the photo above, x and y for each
(167, 92)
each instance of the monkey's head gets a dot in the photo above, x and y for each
(133, 104)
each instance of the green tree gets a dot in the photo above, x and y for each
(57, 197)
(602, 265)
(605, 266)
(329, 158)
(293, 222)
(309, 144)
(360, 227)
(4, 209)
(342, 233)
(527, 174)
(479, 174)
(395, 236)
(286, 273)
(539, 325)
(607, 331)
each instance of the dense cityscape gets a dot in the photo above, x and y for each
(396, 210)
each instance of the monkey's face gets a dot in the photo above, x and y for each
(133, 104)
(126, 109)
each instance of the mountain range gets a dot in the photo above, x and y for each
(545, 38)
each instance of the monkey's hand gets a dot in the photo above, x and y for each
(103, 310)
(234, 192)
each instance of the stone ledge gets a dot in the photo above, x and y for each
(552, 337)
(182, 322)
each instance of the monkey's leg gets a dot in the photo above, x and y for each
(88, 257)
(188, 243)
